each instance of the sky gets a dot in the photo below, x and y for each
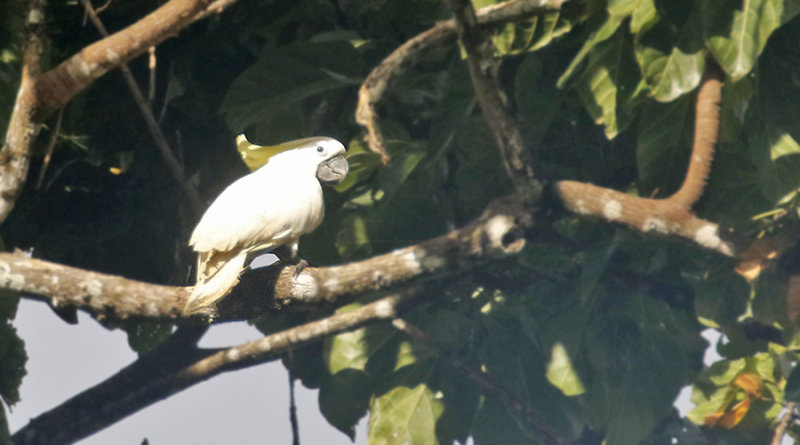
(245, 407)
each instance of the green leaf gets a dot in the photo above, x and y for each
(601, 30)
(270, 94)
(671, 55)
(737, 30)
(610, 84)
(12, 363)
(405, 415)
(720, 297)
(352, 350)
(639, 372)
(561, 373)
(144, 336)
(344, 399)
(664, 137)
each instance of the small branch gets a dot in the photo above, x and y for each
(483, 70)
(671, 216)
(496, 234)
(79, 417)
(486, 385)
(167, 154)
(780, 430)
(412, 51)
(22, 127)
(51, 146)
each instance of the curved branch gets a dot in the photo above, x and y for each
(112, 298)
(120, 395)
(706, 130)
(412, 51)
(673, 215)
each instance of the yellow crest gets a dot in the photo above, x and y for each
(256, 156)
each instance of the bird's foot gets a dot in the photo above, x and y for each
(301, 264)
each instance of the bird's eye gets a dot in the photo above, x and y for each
(320, 149)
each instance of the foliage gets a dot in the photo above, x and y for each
(592, 328)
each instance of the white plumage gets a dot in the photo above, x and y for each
(268, 208)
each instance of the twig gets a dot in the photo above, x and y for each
(483, 72)
(292, 405)
(167, 154)
(780, 430)
(50, 148)
(121, 395)
(412, 51)
(486, 385)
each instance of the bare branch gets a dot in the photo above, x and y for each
(483, 69)
(412, 51)
(122, 395)
(780, 430)
(111, 298)
(167, 154)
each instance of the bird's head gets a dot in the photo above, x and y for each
(321, 156)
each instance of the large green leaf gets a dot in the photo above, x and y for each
(737, 30)
(405, 415)
(270, 95)
(720, 296)
(664, 136)
(610, 83)
(671, 54)
(602, 28)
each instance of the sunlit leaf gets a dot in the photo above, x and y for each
(405, 416)
(561, 373)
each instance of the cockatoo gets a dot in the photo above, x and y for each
(269, 208)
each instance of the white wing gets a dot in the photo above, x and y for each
(260, 208)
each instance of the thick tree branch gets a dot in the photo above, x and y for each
(483, 68)
(412, 51)
(111, 298)
(22, 127)
(671, 216)
(121, 395)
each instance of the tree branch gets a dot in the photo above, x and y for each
(167, 154)
(671, 216)
(780, 430)
(412, 51)
(22, 127)
(483, 68)
(497, 233)
(122, 394)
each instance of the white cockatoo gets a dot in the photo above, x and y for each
(269, 208)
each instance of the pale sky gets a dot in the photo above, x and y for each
(245, 407)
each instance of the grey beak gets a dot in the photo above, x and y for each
(333, 171)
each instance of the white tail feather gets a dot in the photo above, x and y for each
(208, 291)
